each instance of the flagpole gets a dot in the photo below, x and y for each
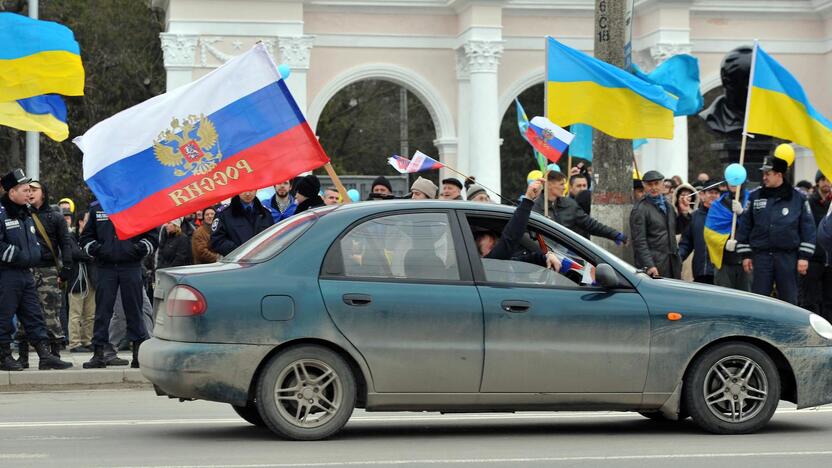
(568, 173)
(345, 197)
(744, 132)
(465, 177)
(546, 114)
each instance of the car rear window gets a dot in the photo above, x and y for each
(273, 240)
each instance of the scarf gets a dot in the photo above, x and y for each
(659, 202)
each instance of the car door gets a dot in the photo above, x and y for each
(400, 290)
(546, 332)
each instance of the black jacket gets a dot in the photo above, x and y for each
(507, 246)
(310, 203)
(83, 270)
(55, 226)
(233, 227)
(566, 212)
(175, 251)
(777, 219)
(99, 240)
(693, 240)
(19, 247)
(653, 234)
(819, 208)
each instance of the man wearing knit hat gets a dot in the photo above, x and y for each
(308, 193)
(816, 286)
(776, 233)
(477, 193)
(423, 189)
(381, 189)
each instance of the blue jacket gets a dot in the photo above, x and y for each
(19, 247)
(777, 220)
(693, 240)
(277, 215)
(99, 240)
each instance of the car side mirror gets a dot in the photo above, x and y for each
(606, 276)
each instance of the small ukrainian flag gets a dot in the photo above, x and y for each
(37, 58)
(583, 89)
(45, 114)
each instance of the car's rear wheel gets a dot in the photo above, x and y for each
(250, 414)
(306, 393)
(733, 388)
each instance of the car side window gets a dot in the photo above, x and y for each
(415, 246)
(523, 269)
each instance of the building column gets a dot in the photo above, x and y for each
(179, 55)
(484, 119)
(295, 52)
(463, 114)
(448, 149)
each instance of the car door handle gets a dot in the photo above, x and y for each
(357, 299)
(516, 306)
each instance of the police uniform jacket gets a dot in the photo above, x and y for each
(19, 247)
(99, 240)
(233, 226)
(566, 212)
(777, 220)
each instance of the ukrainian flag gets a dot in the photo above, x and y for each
(718, 228)
(45, 114)
(778, 106)
(36, 58)
(582, 89)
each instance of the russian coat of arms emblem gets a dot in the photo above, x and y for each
(548, 134)
(190, 146)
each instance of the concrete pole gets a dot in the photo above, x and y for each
(33, 138)
(613, 158)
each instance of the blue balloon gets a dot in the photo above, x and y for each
(735, 174)
(553, 167)
(354, 195)
(284, 70)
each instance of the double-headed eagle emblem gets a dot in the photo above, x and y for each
(190, 146)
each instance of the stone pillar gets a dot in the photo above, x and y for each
(463, 114)
(484, 119)
(295, 52)
(448, 154)
(179, 54)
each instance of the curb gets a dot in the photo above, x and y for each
(73, 378)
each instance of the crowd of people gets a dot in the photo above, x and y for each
(68, 282)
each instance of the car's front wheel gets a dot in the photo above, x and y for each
(733, 388)
(306, 393)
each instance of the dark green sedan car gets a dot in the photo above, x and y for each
(388, 306)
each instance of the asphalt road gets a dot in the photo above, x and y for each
(119, 428)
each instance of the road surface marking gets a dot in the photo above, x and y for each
(21, 456)
(365, 419)
(468, 461)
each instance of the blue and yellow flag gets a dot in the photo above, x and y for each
(678, 75)
(718, 227)
(778, 106)
(582, 89)
(45, 114)
(37, 58)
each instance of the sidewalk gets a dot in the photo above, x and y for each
(72, 378)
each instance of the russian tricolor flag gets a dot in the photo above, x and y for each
(547, 138)
(420, 163)
(236, 129)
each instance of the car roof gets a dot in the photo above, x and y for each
(404, 204)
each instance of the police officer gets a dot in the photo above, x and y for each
(19, 252)
(245, 218)
(119, 266)
(776, 233)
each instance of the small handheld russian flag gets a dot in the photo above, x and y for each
(549, 139)
(420, 163)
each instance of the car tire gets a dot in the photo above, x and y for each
(733, 388)
(306, 393)
(250, 414)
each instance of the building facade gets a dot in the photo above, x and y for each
(467, 60)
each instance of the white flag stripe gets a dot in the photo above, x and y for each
(416, 162)
(559, 132)
(395, 163)
(134, 129)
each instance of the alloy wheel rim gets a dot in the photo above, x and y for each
(735, 389)
(308, 393)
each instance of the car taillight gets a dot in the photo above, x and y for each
(185, 301)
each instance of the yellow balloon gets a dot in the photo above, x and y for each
(534, 175)
(785, 152)
(636, 175)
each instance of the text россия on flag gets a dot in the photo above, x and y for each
(237, 128)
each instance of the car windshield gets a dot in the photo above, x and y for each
(270, 242)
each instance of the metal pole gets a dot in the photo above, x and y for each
(33, 138)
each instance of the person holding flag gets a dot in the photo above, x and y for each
(728, 270)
